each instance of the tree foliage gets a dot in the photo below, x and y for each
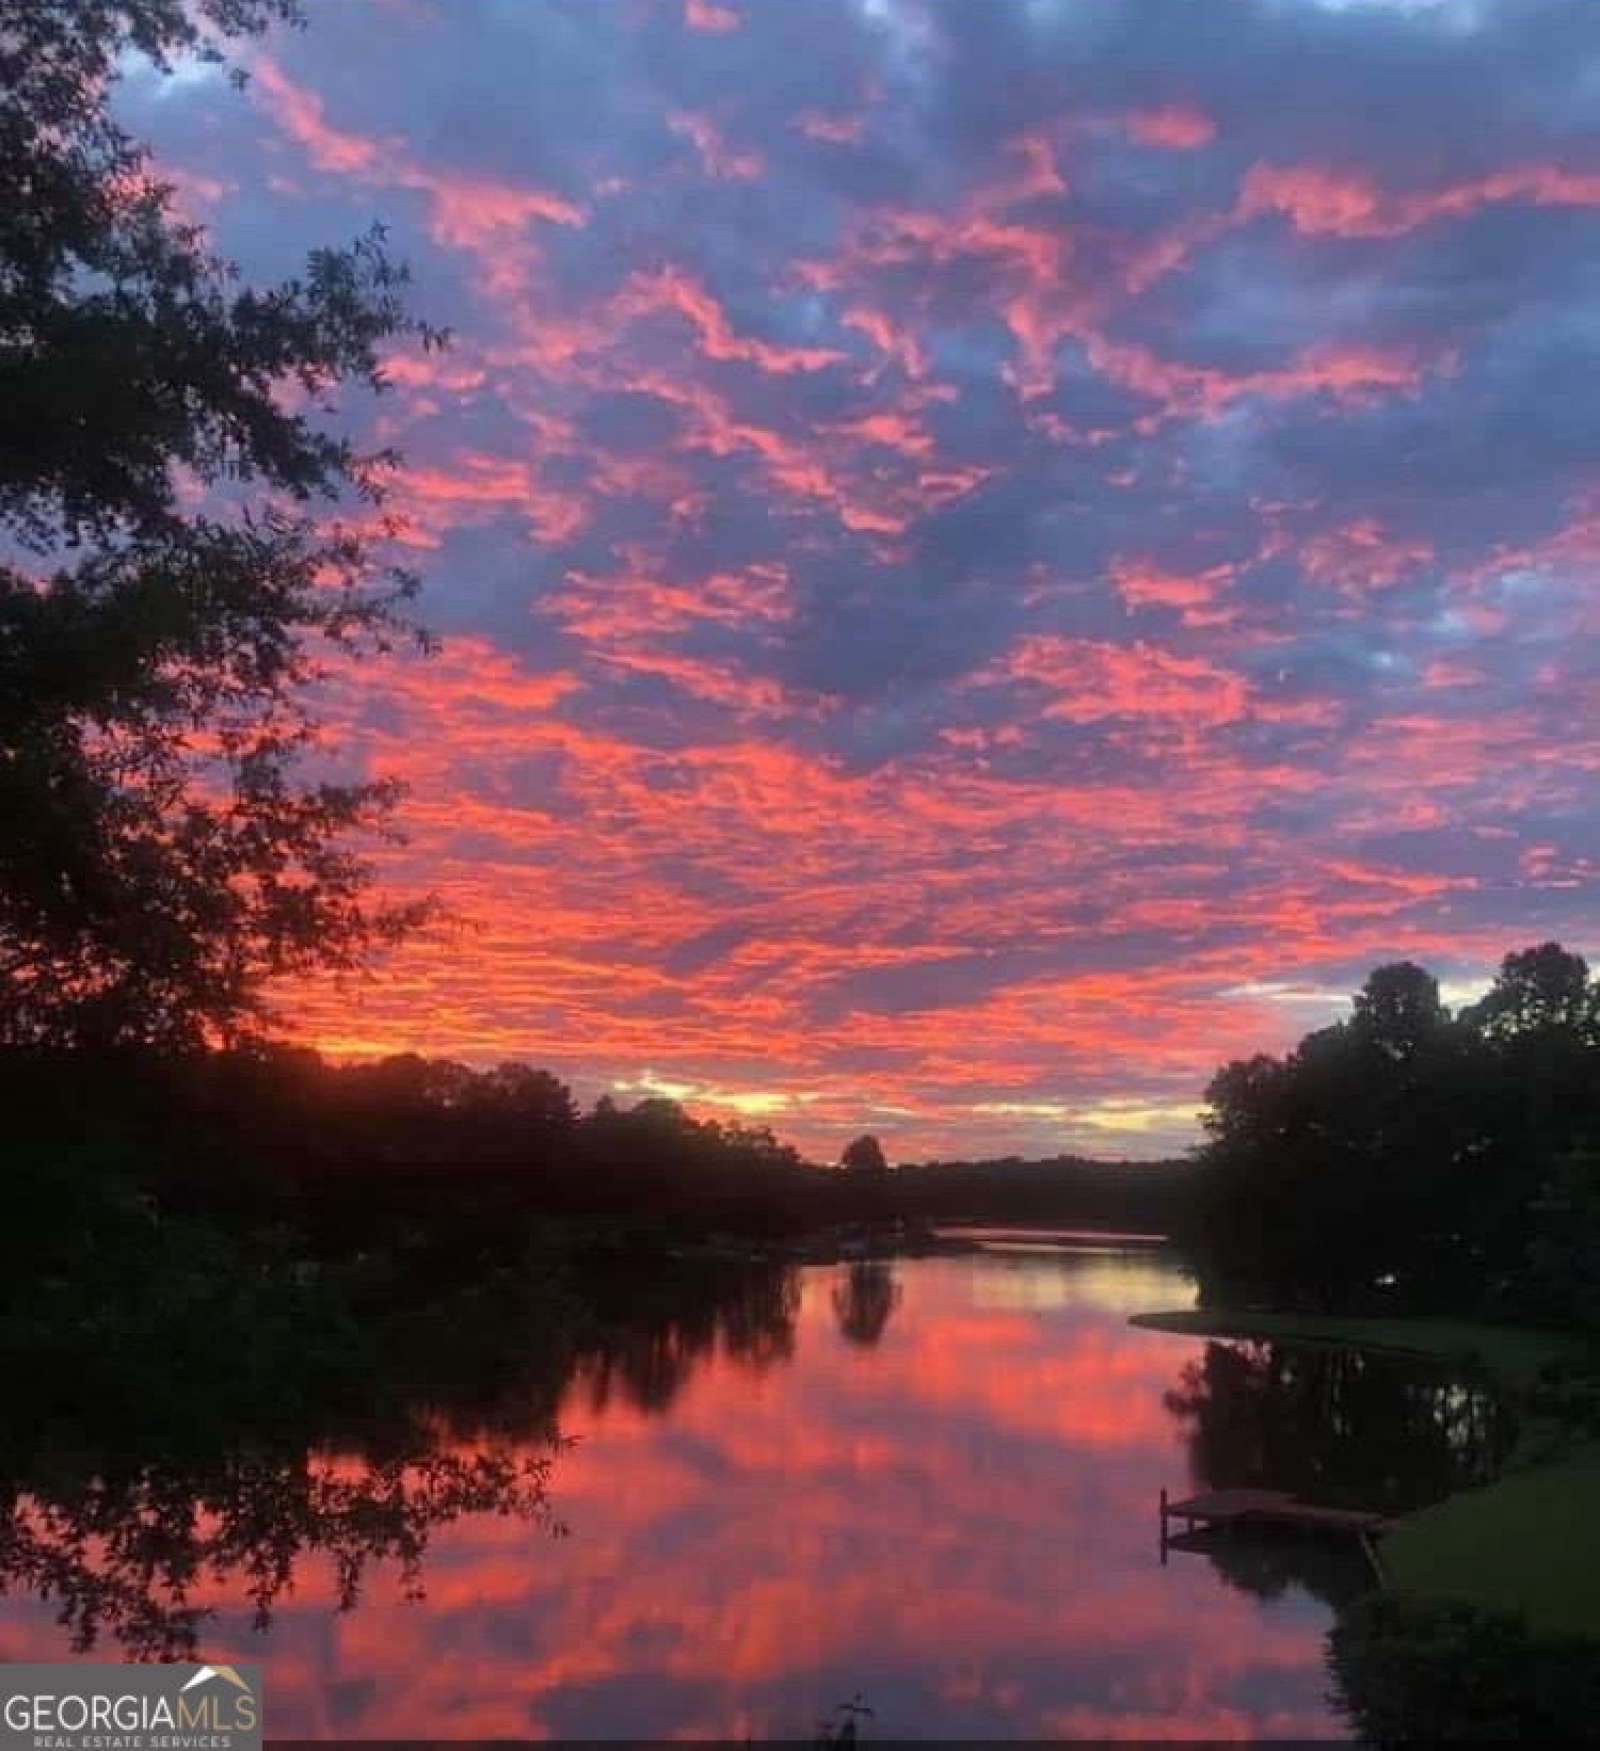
(1397, 1013)
(864, 1155)
(1414, 1671)
(166, 850)
(1539, 992)
(1407, 1156)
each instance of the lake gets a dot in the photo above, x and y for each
(932, 1483)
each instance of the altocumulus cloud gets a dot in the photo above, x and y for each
(987, 550)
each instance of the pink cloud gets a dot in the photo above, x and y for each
(1180, 127)
(1361, 556)
(1319, 200)
(836, 129)
(1142, 584)
(709, 16)
(1090, 680)
(697, 461)
(717, 157)
(466, 209)
(671, 290)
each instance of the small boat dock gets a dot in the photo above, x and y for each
(1230, 1507)
(1224, 1510)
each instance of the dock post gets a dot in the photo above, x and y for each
(1369, 1550)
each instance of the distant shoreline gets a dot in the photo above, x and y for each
(1515, 1353)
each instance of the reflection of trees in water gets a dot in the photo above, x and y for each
(123, 1524)
(654, 1334)
(1337, 1426)
(863, 1299)
(210, 1476)
(1331, 1569)
(125, 1558)
(1342, 1427)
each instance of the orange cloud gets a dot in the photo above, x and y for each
(482, 480)
(1088, 680)
(1142, 584)
(682, 860)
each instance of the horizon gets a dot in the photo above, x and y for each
(989, 559)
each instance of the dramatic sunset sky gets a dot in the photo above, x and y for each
(991, 554)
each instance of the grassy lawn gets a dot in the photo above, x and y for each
(1529, 1542)
(1515, 1354)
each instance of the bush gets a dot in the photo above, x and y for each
(1410, 1670)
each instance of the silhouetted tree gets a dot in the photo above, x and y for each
(1398, 1157)
(1542, 1073)
(864, 1155)
(1398, 1012)
(162, 852)
(1538, 991)
(517, 1091)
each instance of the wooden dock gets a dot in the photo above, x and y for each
(1223, 1510)
(1276, 1507)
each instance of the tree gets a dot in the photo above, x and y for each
(1397, 1011)
(1404, 1159)
(164, 853)
(1351, 1171)
(865, 1156)
(1244, 1101)
(534, 1100)
(1562, 1280)
(1538, 1027)
(1538, 991)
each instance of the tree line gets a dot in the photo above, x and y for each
(1412, 1158)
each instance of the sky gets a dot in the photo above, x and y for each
(991, 555)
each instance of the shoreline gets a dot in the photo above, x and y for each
(1526, 1543)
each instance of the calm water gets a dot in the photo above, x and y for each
(932, 1483)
